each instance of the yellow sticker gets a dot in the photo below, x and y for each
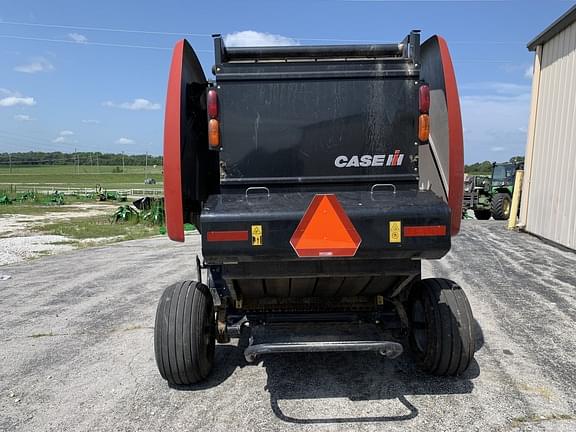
(395, 231)
(256, 235)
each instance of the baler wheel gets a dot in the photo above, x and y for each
(184, 333)
(441, 327)
(501, 204)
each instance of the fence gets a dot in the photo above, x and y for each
(22, 188)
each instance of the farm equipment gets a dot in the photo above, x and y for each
(103, 195)
(491, 196)
(319, 177)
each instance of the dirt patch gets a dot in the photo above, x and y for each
(19, 241)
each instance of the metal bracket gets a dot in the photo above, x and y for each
(199, 268)
(222, 335)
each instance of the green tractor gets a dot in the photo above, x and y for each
(491, 196)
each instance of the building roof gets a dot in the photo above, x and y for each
(556, 27)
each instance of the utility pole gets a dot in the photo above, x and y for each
(97, 165)
(146, 166)
(10, 159)
(122, 162)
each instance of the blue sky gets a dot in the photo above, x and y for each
(67, 81)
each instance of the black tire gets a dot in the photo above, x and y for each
(482, 214)
(501, 204)
(441, 327)
(184, 333)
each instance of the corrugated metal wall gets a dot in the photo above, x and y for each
(551, 197)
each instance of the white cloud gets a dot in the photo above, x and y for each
(91, 121)
(124, 140)
(13, 98)
(17, 100)
(22, 117)
(254, 38)
(136, 105)
(497, 148)
(77, 37)
(529, 72)
(37, 64)
(63, 137)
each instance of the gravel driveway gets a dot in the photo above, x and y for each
(76, 350)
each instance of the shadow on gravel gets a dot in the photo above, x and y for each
(353, 376)
(356, 377)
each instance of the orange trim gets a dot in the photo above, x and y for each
(425, 231)
(172, 161)
(221, 236)
(455, 135)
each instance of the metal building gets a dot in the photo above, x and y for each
(548, 206)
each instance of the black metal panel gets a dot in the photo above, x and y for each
(357, 273)
(302, 287)
(251, 287)
(299, 128)
(379, 285)
(313, 51)
(354, 286)
(326, 69)
(327, 287)
(277, 287)
(280, 213)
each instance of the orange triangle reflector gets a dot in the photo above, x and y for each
(325, 230)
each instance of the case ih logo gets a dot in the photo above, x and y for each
(370, 160)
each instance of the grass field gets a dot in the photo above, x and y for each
(69, 176)
(98, 227)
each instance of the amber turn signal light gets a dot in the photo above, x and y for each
(423, 127)
(214, 134)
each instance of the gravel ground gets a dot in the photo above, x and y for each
(76, 351)
(18, 242)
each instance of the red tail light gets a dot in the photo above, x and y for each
(424, 99)
(212, 102)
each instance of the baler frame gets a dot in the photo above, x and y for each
(273, 267)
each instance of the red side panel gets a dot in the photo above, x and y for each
(456, 173)
(442, 158)
(172, 156)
